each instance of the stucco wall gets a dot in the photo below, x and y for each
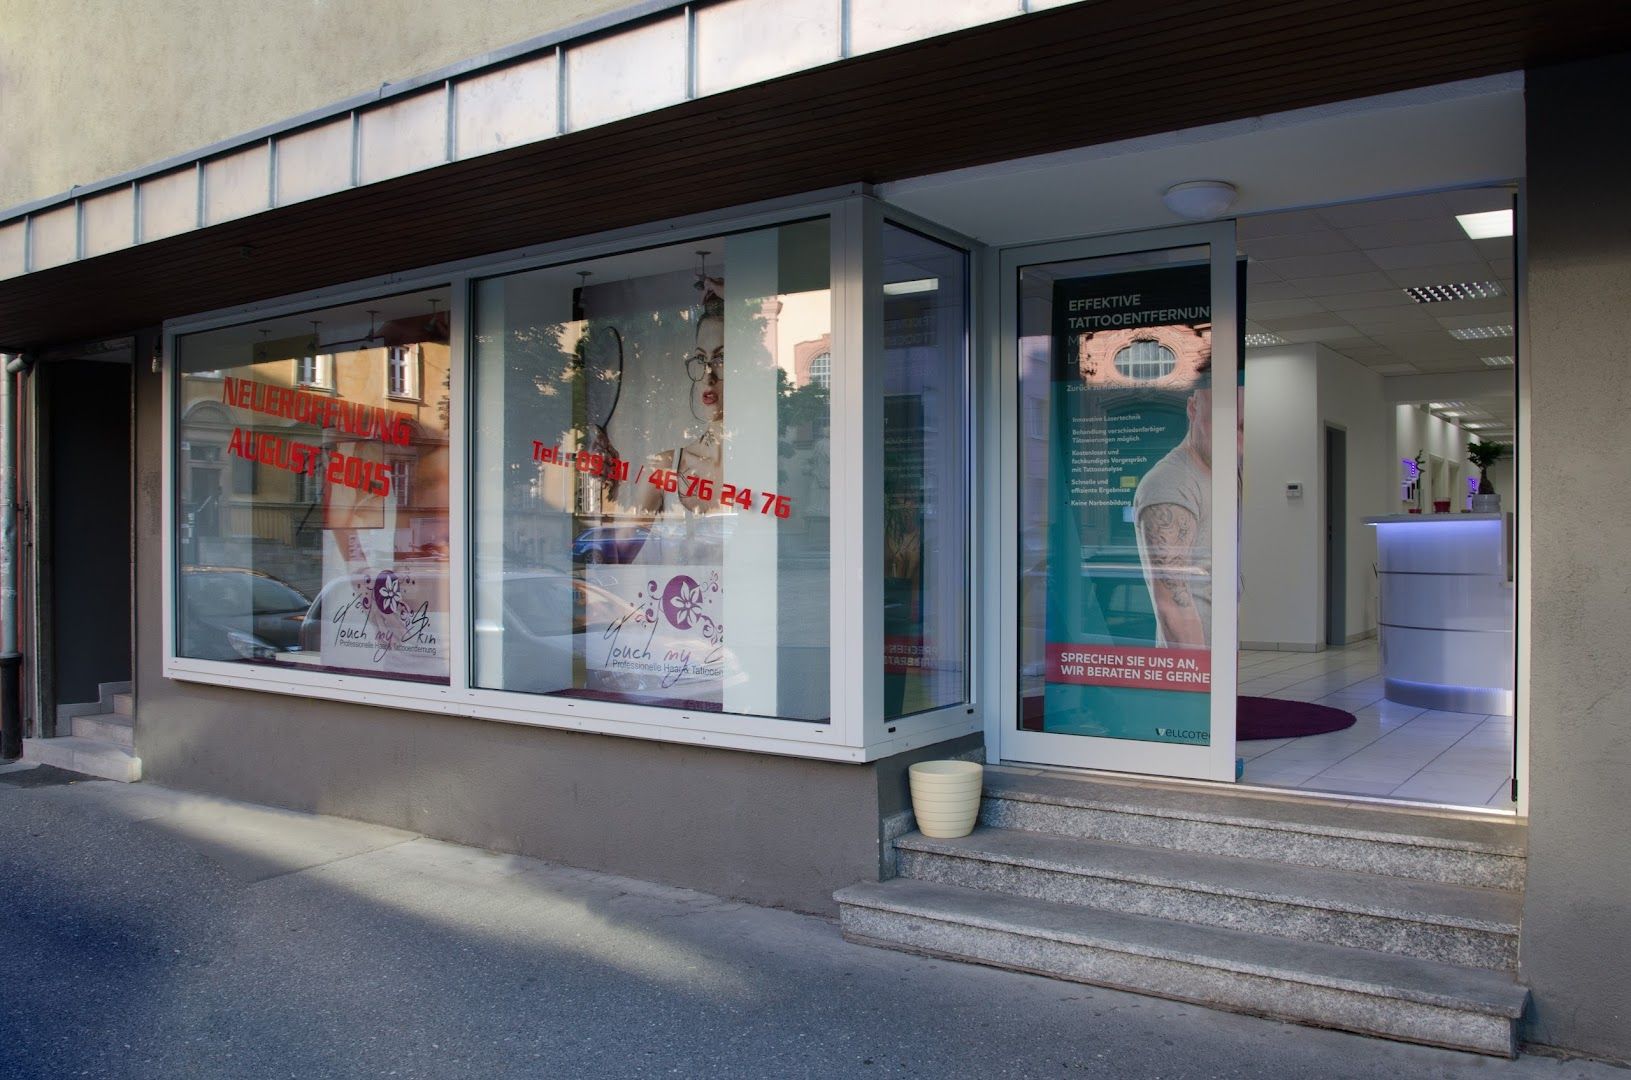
(772, 830)
(81, 100)
(1576, 939)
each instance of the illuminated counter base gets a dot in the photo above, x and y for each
(1447, 611)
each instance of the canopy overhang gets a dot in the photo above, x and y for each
(1075, 76)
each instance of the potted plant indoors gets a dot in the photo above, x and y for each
(1484, 454)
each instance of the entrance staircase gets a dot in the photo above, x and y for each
(100, 743)
(1380, 920)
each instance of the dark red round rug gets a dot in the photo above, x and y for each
(1273, 718)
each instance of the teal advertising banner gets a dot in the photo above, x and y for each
(1129, 541)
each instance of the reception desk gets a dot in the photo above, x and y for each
(1446, 611)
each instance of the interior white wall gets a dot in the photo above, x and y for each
(1417, 430)
(1279, 536)
(1292, 393)
(1351, 397)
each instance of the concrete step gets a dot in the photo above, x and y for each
(1454, 924)
(1450, 848)
(116, 728)
(89, 756)
(1373, 993)
(124, 704)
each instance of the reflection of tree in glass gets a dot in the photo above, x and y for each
(546, 363)
(803, 414)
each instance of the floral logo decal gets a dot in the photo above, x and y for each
(682, 601)
(387, 592)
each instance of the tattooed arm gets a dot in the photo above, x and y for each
(1168, 532)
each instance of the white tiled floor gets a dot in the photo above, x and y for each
(1396, 751)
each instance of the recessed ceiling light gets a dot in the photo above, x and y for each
(1477, 333)
(909, 288)
(1256, 341)
(1487, 226)
(1438, 405)
(1457, 290)
(1450, 414)
(1475, 425)
(1497, 361)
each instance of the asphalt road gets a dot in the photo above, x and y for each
(149, 933)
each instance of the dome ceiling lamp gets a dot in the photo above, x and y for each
(1200, 200)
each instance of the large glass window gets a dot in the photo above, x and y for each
(925, 473)
(650, 480)
(299, 541)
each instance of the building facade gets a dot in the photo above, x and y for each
(633, 437)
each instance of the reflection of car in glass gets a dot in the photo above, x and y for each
(550, 620)
(429, 579)
(610, 543)
(234, 613)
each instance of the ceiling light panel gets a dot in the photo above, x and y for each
(1458, 290)
(1497, 361)
(1486, 226)
(1479, 333)
(1257, 341)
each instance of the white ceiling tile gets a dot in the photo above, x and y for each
(1500, 247)
(1271, 290)
(1475, 200)
(1394, 320)
(1459, 321)
(1381, 211)
(1323, 242)
(1403, 258)
(1381, 298)
(1408, 277)
(1328, 265)
(1403, 233)
(1284, 224)
(1299, 322)
(1490, 305)
(1323, 333)
(1279, 309)
(1343, 283)
(1259, 271)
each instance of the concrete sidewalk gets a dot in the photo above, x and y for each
(152, 933)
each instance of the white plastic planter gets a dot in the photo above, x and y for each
(946, 796)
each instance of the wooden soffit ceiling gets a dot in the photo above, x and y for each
(1079, 75)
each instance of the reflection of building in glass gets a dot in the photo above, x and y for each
(1160, 357)
(239, 510)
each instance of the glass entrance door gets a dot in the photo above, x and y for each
(1123, 357)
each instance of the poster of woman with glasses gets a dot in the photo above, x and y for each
(652, 522)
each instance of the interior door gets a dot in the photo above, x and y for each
(1121, 364)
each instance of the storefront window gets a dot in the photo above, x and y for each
(925, 473)
(650, 477)
(299, 541)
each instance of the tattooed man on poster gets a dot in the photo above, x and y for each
(1173, 507)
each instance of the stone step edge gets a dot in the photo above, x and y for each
(1132, 808)
(92, 757)
(113, 718)
(1504, 997)
(917, 842)
(1502, 1041)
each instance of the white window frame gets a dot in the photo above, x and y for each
(857, 730)
(406, 359)
(322, 371)
(402, 482)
